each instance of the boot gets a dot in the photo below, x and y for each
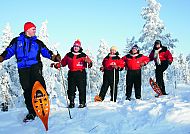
(29, 117)
(39, 93)
(82, 105)
(72, 103)
(128, 98)
(4, 107)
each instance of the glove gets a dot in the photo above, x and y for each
(56, 58)
(52, 64)
(87, 60)
(169, 62)
(142, 64)
(56, 65)
(102, 69)
(90, 65)
(1, 59)
(115, 66)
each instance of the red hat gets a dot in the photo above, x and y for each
(28, 25)
(77, 43)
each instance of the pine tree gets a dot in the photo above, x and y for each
(52, 76)
(102, 53)
(188, 68)
(10, 67)
(130, 43)
(154, 27)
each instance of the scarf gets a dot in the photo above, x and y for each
(134, 55)
(156, 56)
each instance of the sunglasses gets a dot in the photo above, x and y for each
(77, 46)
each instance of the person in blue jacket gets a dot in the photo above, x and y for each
(27, 50)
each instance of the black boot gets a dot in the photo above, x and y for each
(163, 90)
(128, 98)
(72, 103)
(4, 107)
(29, 117)
(39, 93)
(82, 105)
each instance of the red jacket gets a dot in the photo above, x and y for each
(109, 61)
(134, 62)
(164, 54)
(75, 62)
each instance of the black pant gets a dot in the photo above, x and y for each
(108, 80)
(159, 75)
(133, 77)
(28, 76)
(77, 79)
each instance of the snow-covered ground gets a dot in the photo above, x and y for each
(165, 115)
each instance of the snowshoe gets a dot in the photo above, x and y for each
(97, 98)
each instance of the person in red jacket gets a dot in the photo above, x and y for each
(162, 58)
(77, 61)
(133, 63)
(111, 63)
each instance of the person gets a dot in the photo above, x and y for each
(134, 61)
(77, 61)
(162, 58)
(27, 49)
(112, 64)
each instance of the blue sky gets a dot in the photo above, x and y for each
(92, 20)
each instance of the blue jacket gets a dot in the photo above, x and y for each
(27, 51)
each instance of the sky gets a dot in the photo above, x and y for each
(91, 21)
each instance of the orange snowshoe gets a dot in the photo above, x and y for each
(155, 87)
(41, 103)
(97, 98)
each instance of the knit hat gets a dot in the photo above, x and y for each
(113, 48)
(157, 42)
(77, 43)
(28, 25)
(135, 47)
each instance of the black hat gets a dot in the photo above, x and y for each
(157, 42)
(135, 47)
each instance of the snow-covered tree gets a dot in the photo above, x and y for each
(10, 67)
(130, 43)
(102, 52)
(53, 77)
(154, 27)
(43, 33)
(6, 37)
(188, 68)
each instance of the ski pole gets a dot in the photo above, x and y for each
(66, 95)
(114, 85)
(88, 82)
(142, 79)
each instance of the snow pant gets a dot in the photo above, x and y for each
(28, 76)
(108, 81)
(133, 77)
(159, 75)
(77, 79)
